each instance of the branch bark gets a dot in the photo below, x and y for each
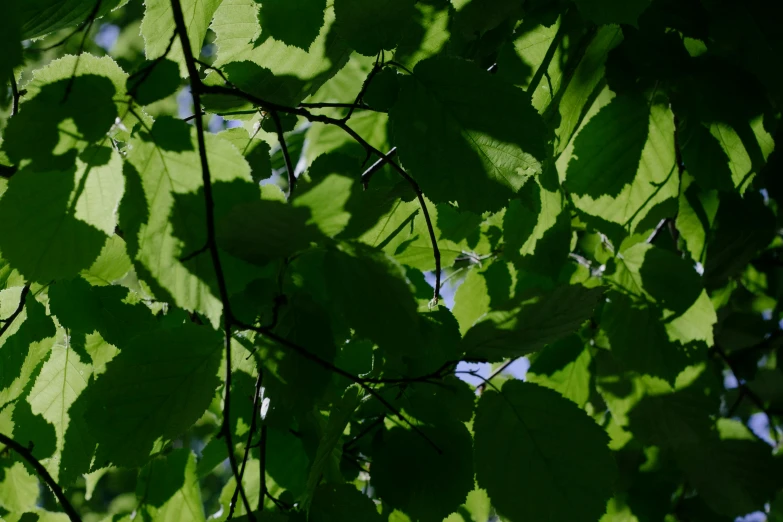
(41, 470)
(209, 204)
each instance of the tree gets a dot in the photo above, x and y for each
(248, 247)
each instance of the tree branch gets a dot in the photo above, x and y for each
(329, 105)
(262, 468)
(41, 470)
(7, 322)
(745, 391)
(90, 20)
(195, 91)
(269, 106)
(375, 167)
(364, 383)
(248, 444)
(494, 374)
(286, 156)
(375, 69)
(15, 94)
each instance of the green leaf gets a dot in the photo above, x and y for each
(161, 167)
(674, 420)
(34, 431)
(532, 325)
(39, 17)
(370, 290)
(111, 265)
(652, 274)
(636, 201)
(296, 73)
(168, 487)
(370, 27)
(445, 121)
(695, 217)
(744, 227)
(475, 509)
(25, 344)
(302, 381)
(568, 472)
(62, 379)
(734, 475)
(612, 11)
(157, 386)
(639, 341)
(83, 309)
(276, 15)
(157, 28)
(19, 489)
(255, 151)
(277, 230)
(154, 81)
(410, 474)
(71, 212)
(479, 17)
(10, 42)
(608, 149)
(564, 366)
(342, 503)
(327, 454)
(383, 90)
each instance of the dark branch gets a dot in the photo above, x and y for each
(193, 254)
(248, 444)
(7, 322)
(147, 71)
(364, 383)
(16, 95)
(86, 24)
(745, 391)
(375, 167)
(286, 156)
(359, 97)
(195, 90)
(90, 20)
(327, 105)
(367, 429)
(262, 468)
(41, 470)
(494, 374)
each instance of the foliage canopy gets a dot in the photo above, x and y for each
(273, 260)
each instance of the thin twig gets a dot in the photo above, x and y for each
(193, 254)
(147, 71)
(497, 372)
(367, 429)
(398, 65)
(328, 105)
(195, 91)
(248, 445)
(375, 167)
(359, 97)
(90, 20)
(269, 106)
(41, 470)
(16, 95)
(262, 467)
(286, 156)
(7, 322)
(87, 22)
(745, 391)
(364, 383)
